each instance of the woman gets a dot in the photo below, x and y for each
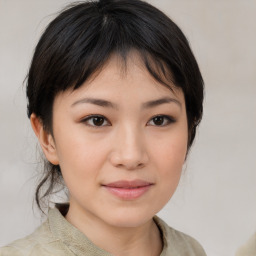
(114, 98)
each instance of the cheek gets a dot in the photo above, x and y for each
(80, 167)
(172, 150)
(169, 155)
(169, 158)
(79, 157)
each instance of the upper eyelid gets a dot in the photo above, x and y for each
(93, 115)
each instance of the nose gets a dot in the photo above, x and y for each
(129, 149)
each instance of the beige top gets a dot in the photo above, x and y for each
(248, 249)
(58, 237)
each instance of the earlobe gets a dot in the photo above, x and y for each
(45, 139)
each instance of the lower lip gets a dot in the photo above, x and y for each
(128, 193)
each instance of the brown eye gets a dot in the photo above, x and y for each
(161, 120)
(96, 121)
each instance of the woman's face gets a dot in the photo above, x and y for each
(121, 141)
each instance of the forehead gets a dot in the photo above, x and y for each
(125, 67)
(124, 79)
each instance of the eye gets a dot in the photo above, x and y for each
(96, 121)
(161, 120)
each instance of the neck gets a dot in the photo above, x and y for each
(119, 241)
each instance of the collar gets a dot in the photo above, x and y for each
(77, 242)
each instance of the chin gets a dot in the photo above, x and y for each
(129, 218)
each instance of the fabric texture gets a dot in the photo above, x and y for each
(248, 249)
(58, 237)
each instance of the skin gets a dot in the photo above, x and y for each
(128, 144)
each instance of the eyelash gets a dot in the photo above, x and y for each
(168, 120)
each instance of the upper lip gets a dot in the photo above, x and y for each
(128, 184)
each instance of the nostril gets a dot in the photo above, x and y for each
(141, 165)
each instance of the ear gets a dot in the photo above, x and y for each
(45, 139)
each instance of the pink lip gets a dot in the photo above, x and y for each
(128, 190)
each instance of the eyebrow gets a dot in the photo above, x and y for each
(108, 104)
(154, 103)
(98, 102)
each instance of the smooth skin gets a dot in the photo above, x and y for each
(120, 125)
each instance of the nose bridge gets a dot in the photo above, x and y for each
(130, 149)
(131, 139)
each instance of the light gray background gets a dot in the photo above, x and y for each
(216, 200)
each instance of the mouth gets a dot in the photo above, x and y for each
(128, 190)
